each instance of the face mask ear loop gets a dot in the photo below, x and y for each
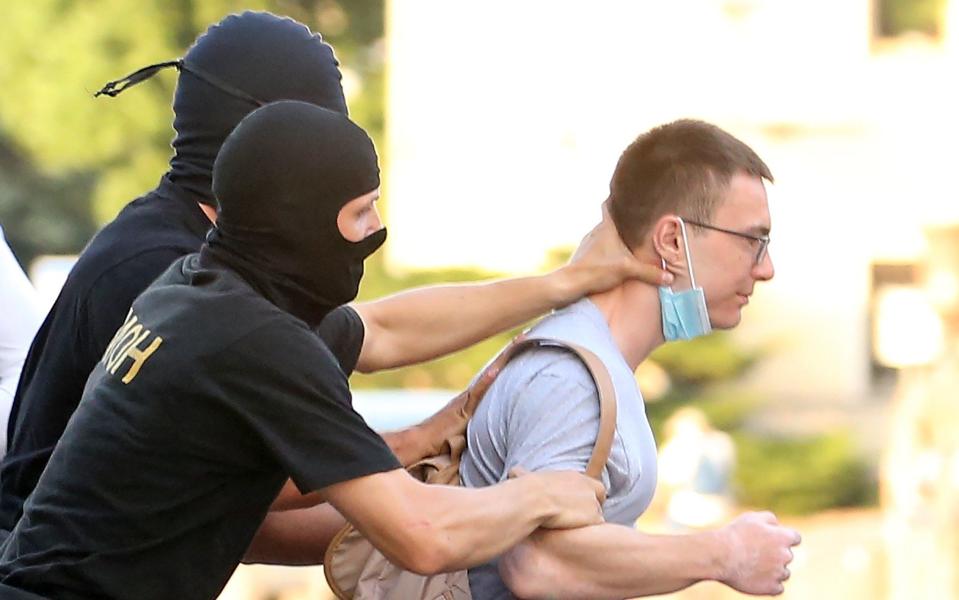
(663, 260)
(689, 258)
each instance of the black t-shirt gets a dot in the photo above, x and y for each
(205, 401)
(119, 263)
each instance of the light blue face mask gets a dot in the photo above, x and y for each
(684, 313)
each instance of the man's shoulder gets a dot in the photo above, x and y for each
(541, 379)
(546, 362)
(218, 304)
(133, 249)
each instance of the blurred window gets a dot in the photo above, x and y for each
(884, 276)
(894, 18)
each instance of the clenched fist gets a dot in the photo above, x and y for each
(759, 553)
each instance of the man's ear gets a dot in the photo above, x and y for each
(667, 239)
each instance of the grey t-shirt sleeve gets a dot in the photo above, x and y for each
(540, 419)
(542, 413)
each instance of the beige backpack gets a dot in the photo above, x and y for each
(356, 570)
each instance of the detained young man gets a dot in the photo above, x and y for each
(691, 197)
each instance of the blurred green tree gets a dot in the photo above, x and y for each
(42, 214)
(94, 155)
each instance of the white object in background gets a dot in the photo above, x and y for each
(908, 331)
(385, 410)
(48, 274)
(20, 316)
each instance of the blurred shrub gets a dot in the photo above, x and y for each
(88, 157)
(702, 360)
(801, 476)
(726, 409)
(41, 213)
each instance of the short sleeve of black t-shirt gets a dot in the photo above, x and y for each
(342, 331)
(298, 403)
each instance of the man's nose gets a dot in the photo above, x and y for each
(375, 223)
(764, 270)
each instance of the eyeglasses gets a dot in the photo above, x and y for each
(762, 239)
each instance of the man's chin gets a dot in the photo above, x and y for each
(727, 321)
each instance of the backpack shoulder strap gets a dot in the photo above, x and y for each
(604, 387)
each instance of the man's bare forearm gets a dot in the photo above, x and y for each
(609, 561)
(295, 537)
(751, 554)
(432, 528)
(423, 324)
(299, 536)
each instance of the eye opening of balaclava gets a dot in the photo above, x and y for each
(281, 179)
(238, 64)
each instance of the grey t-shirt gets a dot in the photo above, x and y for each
(542, 413)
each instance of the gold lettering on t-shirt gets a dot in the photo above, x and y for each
(129, 339)
(120, 334)
(139, 357)
(126, 344)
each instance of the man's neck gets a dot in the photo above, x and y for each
(209, 211)
(633, 314)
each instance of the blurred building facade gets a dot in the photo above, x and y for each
(515, 113)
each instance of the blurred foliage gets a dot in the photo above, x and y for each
(704, 359)
(42, 215)
(88, 157)
(897, 17)
(802, 476)
(726, 408)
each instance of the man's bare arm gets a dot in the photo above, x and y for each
(750, 555)
(295, 537)
(422, 324)
(434, 528)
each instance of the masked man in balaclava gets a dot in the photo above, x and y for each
(184, 437)
(235, 66)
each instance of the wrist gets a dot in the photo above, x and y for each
(535, 494)
(407, 444)
(718, 549)
(565, 285)
(417, 438)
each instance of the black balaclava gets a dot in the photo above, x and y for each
(242, 62)
(281, 179)
(268, 57)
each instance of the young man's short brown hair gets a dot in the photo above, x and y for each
(682, 167)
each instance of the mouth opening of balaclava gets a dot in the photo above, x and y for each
(243, 61)
(281, 179)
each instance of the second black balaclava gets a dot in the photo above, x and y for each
(281, 179)
(261, 55)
